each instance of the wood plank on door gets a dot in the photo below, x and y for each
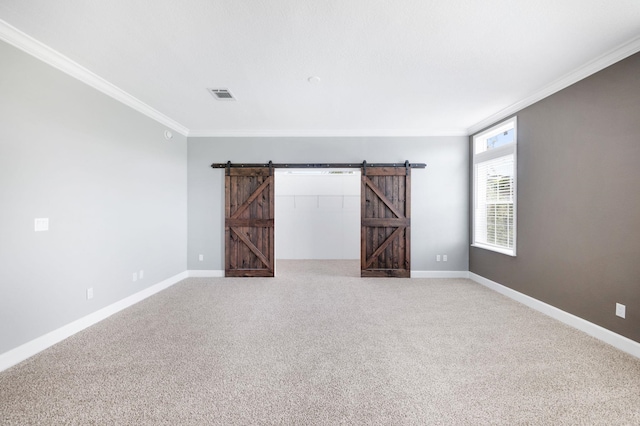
(249, 222)
(385, 222)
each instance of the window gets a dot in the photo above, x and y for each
(494, 188)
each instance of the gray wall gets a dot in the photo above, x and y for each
(578, 235)
(439, 192)
(114, 190)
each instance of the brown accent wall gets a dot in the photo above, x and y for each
(578, 230)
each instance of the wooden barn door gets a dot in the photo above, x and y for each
(385, 222)
(249, 222)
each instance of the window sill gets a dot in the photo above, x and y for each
(508, 252)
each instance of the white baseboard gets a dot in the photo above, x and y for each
(614, 339)
(439, 274)
(214, 273)
(202, 273)
(29, 349)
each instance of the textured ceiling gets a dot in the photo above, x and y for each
(401, 67)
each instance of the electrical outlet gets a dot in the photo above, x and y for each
(621, 310)
(135, 277)
(141, 274)
(41, 224)
(201, 257)
(90, 293)
(437, 258)
(444, 257)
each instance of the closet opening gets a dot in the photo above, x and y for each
(317, 214)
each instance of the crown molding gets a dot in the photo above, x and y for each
(619, 53)
(324, 133)
(28, 44)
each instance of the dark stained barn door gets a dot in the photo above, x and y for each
(249, 222)
(385, 222)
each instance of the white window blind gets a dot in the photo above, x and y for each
(494, 214)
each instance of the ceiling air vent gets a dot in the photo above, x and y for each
(222, 94)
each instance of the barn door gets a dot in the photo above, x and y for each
(249, 222)
(385, 221)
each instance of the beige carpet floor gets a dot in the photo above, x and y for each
(319, 346)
